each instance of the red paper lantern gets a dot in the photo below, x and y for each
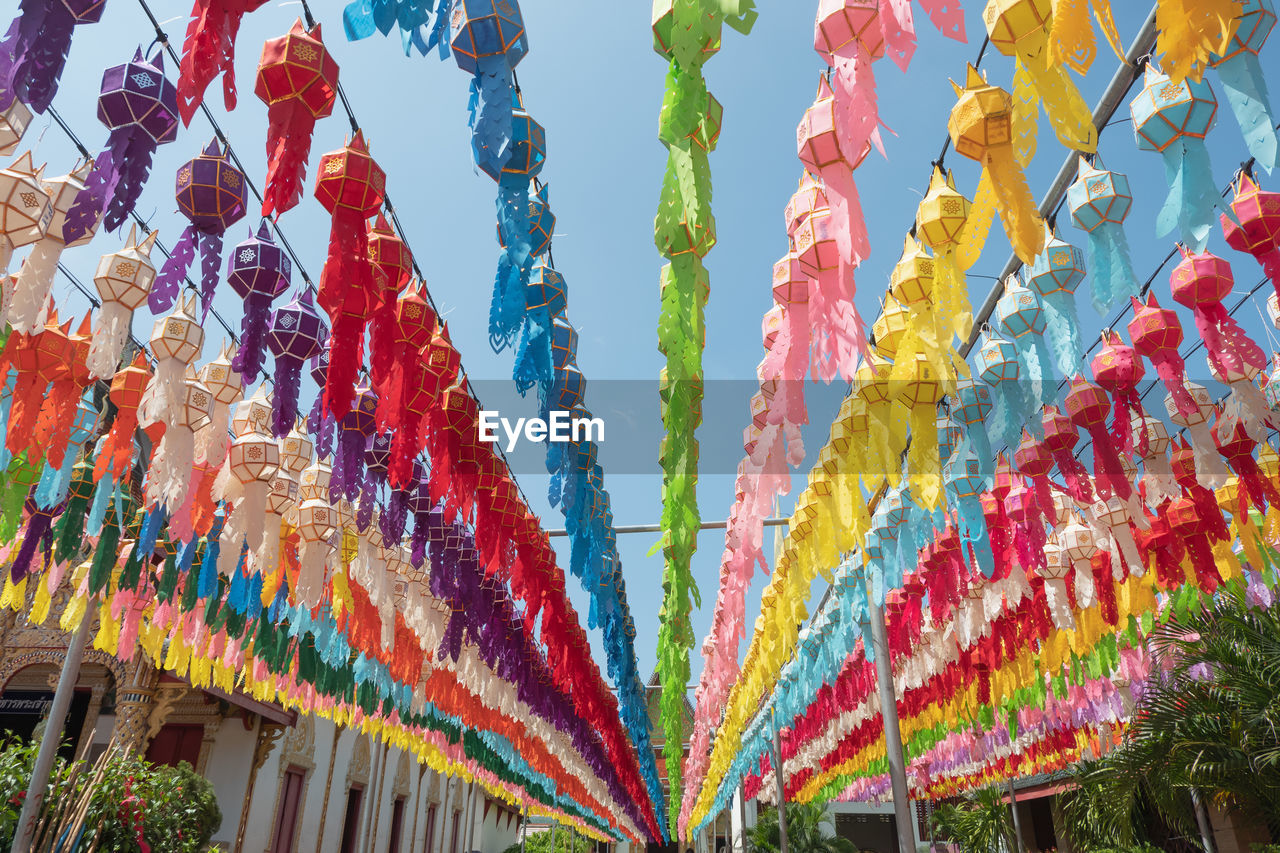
(351, 187)
(1087, 406)
(298, 81)
(1118, 369)
(1258, 231)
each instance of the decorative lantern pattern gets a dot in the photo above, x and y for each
(169, 476)
(29, 305)
(1256, 226)
(123, 280)
(980, 129)
(1174, 118)
(1055, 275)
(176, 342)
(1100, 200)
(350, 185)
(297, 333)
(209, 50)
(1201, 281)
(298, 81)
(211, 195)
(258, 272)
(139, 106)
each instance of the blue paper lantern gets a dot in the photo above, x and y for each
(1100, 200)
(1055, 274)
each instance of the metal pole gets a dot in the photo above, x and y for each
(524, 827)
(1202, 821)
(741, 843)
(1017, 821)
(780, 781)
(52, 734)
(553, 836)
(892, 734)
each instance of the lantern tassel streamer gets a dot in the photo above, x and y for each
(1245, 87)
(1192, 195)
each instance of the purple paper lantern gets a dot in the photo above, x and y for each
(34, 51)
(258, 272)
(320, 422)
(421, 505)
(397, 512)
(139, 106)
(211, 194)
(376, 459)
(296, 334)
(354, 431)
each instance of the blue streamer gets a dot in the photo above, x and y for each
(1245, 87)
(1189, 206)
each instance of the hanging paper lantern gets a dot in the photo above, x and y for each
(35, 280)
(298, 81)
(209, 50)
(350, 185)
(1054, 574)
(920, 391)
(25, 208)
(545, 298)
(211, 195)
(127, 387)
(1020, 28)
(1060, 439)
(965, 482)
(416, 325)
(123, 281)
(1035, 461)
(36, 46)
(1254, 225)
(1157, 334)
(979, 126)
(788, 359)
(1201, 281)
(1158, 481)
(1174, 118)
(832, 150)
(1188, 523)
(176, 342)
(1014, 406)
(891, 326)
(258, 272)
(1055, 275)
(1118, 369)
(391, 258)
(296, 333)
(513, 169)
(62, 366)
(317, 521)
(1100, 200)
(376, 458)
(489, 41)
(1023, 318)
(139, 106)
(940, 221)
(254, 461)
(226, 386)
(1196, 424)
(355, 429)
(1087, 406)
(1244, 82)
(14, 121)
(169, 476)
(281, 496)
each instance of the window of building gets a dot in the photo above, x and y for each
(431, 829)
(176, 742)
(397, 825)
(287, 815)
(351, 821)
(455, 845)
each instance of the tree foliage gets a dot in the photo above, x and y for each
(809, 830)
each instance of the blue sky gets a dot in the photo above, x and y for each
(592, 79)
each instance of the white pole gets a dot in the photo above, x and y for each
(892, 734)
(52, 733)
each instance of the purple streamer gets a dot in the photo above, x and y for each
(210, 261)
(253, 338)
(39, 526)
(284, 406)
(395, 516)
(368, 496)
(137, 168)
(165, 288)
(41, 52)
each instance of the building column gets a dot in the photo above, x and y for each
(269, 734)
(134, 705)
